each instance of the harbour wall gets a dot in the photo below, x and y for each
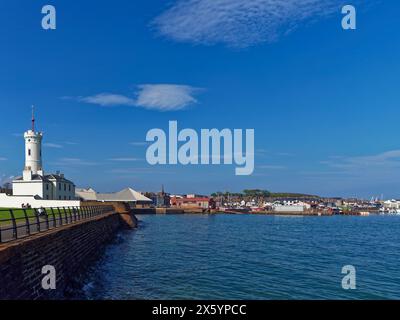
(69, 249)
(169, 210)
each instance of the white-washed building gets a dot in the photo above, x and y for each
(34, 182)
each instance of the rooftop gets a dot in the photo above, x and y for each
(47, 178)
(125, 195)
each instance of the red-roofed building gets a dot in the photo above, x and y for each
(202, 203)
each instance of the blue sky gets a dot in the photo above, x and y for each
(324, 102)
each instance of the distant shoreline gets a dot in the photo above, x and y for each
(168, 211)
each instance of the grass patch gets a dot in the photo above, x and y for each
(18, 214)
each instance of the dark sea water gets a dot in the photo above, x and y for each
(249, 257)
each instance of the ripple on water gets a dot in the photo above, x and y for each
(249, 257)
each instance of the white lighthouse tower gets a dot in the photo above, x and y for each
(33, 151)
(35, 187)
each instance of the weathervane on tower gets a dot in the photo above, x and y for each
(33, 118)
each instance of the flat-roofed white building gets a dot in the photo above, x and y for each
(47, 187)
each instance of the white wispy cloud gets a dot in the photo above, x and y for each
(162, 97)
(139, 143)
(368, 172)
(272, 167)
(124, 159)
(73, 162)
(125, 173)
(239, 23)
(53, 145)
(109, 100)
(166, 97)
(386, 159)
(284, 154)
(3, 159)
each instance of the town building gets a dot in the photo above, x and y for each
(133, 198)
(160, 199)
(35, 188)
(34, 181)
(200, 203)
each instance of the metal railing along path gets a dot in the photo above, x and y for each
(21, 223)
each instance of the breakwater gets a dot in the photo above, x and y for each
(69, 249)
